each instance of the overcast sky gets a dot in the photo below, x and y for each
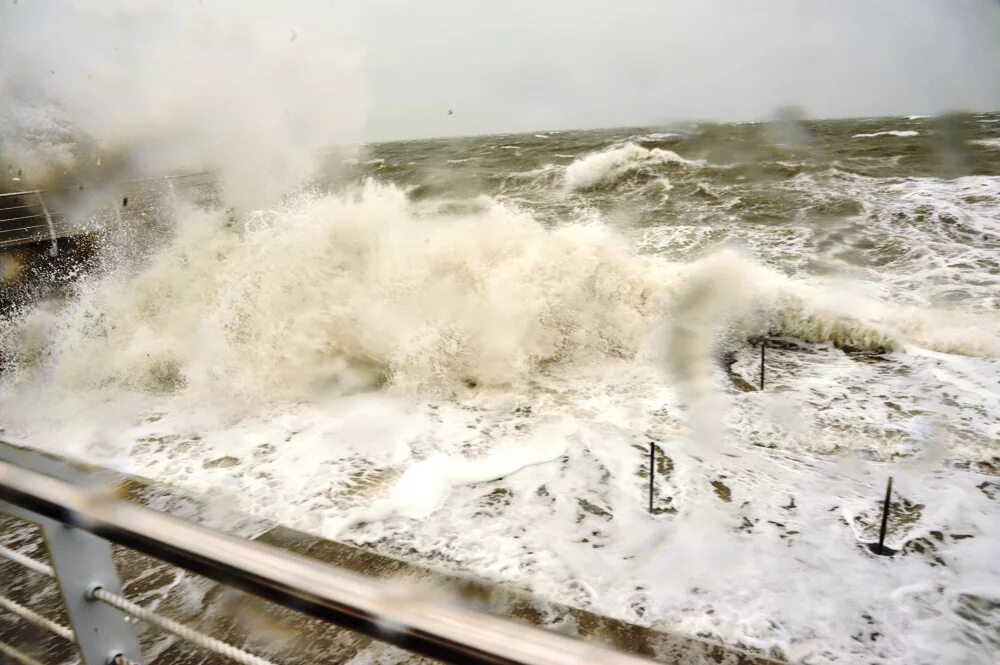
(521, 65)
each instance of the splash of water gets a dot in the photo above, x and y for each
(357, 290)
(111, 89)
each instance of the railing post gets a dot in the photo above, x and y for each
(82, 561)
(54, 249)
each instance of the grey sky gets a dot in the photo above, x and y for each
(518, 65)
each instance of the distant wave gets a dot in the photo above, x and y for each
(989, 143)
(533, 173)
(657, 136)
(608, 166)
(891, 132)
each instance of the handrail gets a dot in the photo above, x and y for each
(16, 655)
(37, 619)
(126, 606)
(27, 562)
(32, 206)
(413, 622)
(78, 187)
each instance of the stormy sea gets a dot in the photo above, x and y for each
(461, 351)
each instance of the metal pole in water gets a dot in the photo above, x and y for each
(763, 345)
(885, 518)
(652, 473)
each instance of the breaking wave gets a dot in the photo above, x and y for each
(342, 291)
(608, 166)
(726, 289)
(357, 290)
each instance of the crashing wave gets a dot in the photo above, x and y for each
(728, 291)
(363, 289)
(355, 289)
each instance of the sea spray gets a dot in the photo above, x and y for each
(354, 290)
(250, 89)
(349, 289)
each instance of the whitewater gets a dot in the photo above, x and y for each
(459, 352)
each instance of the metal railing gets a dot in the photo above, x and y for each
(20, 225)
(80, 519)
(27, 218)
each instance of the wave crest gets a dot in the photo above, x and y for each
(609, 166)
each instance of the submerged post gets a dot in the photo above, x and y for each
(880, 548)
(885, 514)
(652, 473)
(763, 345)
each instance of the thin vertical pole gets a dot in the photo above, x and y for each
(54, 249)
(652, 473)
(763, 345)
(885, 517)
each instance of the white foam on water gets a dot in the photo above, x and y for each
(664, 183)
(424, 486)
(477, 391)
(657, 136)
(988, 143)
(902, 133)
